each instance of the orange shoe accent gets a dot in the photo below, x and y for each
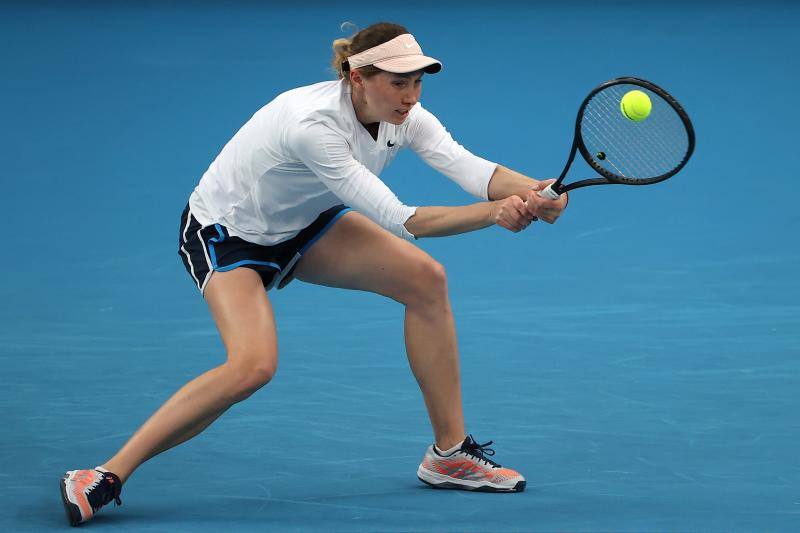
(82, 479)
(459, 468)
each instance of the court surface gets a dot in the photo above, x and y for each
(637, 361)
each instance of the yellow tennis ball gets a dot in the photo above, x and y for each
(635, 105)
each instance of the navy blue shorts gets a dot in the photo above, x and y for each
(206, 249)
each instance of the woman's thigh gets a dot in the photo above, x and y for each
(356, 253)
(244, 316)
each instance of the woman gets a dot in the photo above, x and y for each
(271, 208)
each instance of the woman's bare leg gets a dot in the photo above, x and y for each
(245, 320)
(357, 254)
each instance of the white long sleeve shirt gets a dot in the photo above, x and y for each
(305, 152)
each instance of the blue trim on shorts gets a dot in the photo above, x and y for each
(211, 246)
(246, 262)
(323, 230)
(217, 268)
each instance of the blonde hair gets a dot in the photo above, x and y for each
(370, 36)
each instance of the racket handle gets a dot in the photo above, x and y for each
(549, 193)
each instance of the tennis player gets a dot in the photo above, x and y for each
(296, 194)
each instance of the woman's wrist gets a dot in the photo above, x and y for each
(492, 214)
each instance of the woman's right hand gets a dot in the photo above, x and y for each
(511, 213)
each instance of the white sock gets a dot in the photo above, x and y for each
(448, 452)
(100, 469)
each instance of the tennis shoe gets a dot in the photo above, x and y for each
(84, 492)
(468, 468)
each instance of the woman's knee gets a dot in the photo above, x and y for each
(426, 283)
(248, 372)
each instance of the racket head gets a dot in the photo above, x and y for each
(627, 152)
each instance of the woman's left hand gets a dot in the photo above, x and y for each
(544, 208)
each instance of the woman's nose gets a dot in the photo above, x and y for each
(410, 98)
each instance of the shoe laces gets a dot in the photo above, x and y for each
(479, 451)
(115, 486)
(110, 490)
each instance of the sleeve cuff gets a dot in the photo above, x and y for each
(486, 171)
(409, 211)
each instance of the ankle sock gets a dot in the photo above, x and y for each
(450, 451)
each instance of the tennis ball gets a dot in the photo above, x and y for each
(635, 105)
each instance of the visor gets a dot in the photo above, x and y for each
(401, 55)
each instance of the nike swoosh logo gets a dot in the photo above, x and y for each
(389, 144)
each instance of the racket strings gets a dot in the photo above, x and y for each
(644, 151)
(644, 145)
(633, 150)
(611, 147)
(636, 153)
(640, 151)
(668, 141)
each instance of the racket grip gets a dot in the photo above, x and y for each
(549, 193)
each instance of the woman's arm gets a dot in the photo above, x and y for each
(436, 221)
(511, 213)
(513, 205)
(505, 182)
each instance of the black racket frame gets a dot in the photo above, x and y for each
(609, 178)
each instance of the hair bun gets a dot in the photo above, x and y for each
(342, 46)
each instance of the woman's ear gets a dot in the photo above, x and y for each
(356, 78)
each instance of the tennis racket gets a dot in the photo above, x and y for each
(624, 151)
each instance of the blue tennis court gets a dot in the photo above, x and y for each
(638, 361)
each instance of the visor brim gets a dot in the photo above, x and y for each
(404, 65)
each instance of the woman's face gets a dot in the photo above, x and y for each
(388, 97)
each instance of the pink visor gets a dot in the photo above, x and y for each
(401, 55)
